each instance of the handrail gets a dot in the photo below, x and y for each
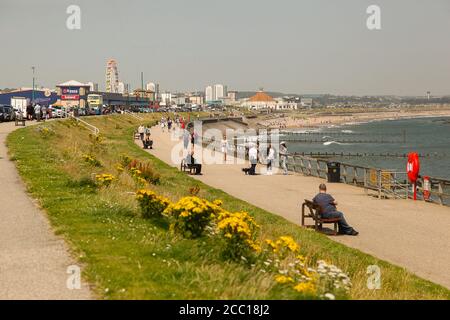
(87, 125)
(133, 115)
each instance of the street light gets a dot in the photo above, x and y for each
(32, 94)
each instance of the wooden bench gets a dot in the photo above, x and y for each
(22, 121)
(314, 213)
(184, 167)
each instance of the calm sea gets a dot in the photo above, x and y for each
(428, 136)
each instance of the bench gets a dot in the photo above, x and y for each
(22, 121)
(314, 213)
(148, 144)
(185, 167)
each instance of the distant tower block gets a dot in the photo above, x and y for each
(112, 76)
(428, 95)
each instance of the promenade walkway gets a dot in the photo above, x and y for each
(33, 261)
(414, 235)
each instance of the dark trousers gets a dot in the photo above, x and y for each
(198, 168)
(344, 227)
(252, 170)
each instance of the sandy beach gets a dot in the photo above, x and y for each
(325, 120)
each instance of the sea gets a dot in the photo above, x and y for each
(429, 137)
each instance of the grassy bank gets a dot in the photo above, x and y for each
(127, 257)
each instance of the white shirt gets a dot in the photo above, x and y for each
(253, 155)
(271, 155)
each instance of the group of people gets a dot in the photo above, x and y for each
(255, 156)
(145, 136)
(170, 123)
(37, 112)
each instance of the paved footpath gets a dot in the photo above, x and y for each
(414, 235)
(33, 261)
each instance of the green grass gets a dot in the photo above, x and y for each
(127, 257)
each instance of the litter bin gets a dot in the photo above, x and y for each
(334, 172)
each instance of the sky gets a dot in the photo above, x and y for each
(290, 46)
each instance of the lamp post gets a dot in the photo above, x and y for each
(32, 93)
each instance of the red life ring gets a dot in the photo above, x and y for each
(413, 167)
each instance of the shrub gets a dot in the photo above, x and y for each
(194, 190)
(91, 160)
(104, 179)
(151, 204)
(238, 230)
(191, 215)
(144, 171)
(125, 160)
(283, 246)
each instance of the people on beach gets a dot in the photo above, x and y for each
(284, 157)
(329, 211)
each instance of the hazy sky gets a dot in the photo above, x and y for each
(293, 46)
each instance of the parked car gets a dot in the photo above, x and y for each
(6, 113)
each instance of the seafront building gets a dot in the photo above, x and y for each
(215, 93)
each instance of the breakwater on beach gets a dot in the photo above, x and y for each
(427, 136)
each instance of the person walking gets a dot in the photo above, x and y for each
(37, 112)
(141, 131)
(30, 112)
(284, 157)
(253, 158)
(162, 125)
(44, 113)
(148, 133)
(224, 147)
(186, 138)
(270, 159)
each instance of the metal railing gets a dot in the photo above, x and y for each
(387, 184)
(87, 125)
(133, 115)
(439, 191)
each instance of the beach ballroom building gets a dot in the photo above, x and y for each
(260, 100)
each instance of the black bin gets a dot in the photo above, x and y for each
(334, 172)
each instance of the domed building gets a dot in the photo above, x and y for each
(260, 100)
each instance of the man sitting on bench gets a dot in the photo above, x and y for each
(148, 143)
(190, 161)
(329, 211)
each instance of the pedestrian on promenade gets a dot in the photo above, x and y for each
(169, 124)
(162, 125)
(270, 159)
(30, 112)
(224, 147)
(253, 158)
(147, 133)
(141, 130)
(328, 210)
(44, 113)
(284, 157)
(37, 112)
(186, 138)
